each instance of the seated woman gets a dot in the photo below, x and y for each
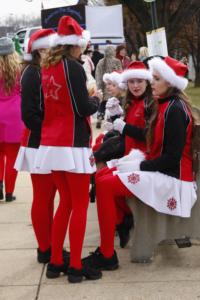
(164, 178)
(138, 102)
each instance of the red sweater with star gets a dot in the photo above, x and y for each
(67, 105)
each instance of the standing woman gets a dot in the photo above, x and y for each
(32, 109)
(108, 64)
(11, 125)
(66, 145)
(162, 180)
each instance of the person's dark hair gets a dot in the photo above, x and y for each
(129, 97)
(34, 62)
(176, 94)
(119, 48)
(87, 51)
(96, 47)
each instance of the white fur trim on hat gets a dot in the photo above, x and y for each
(167, 73)
(72, 39)
(137, 73)
(41, 43)
(114, 77)
(27, 56)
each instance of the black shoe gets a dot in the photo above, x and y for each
(75, 275)
(98, 261)
(1, 191)
(54, 271)
(183, 243)
(123, 230)
(10, 198)
(44, 257)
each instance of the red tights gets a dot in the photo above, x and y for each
(44, 191)
(73, 189)
(8, 154)
(108, 188)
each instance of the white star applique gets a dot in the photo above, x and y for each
(52, 88)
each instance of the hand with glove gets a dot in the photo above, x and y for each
(113, 101)
(134, 154)
(108, 126)
(113, 108)
(128, 166)
(118, 125)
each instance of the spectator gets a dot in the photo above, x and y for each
(121, 54)
(11, 125)
(143, 53)
(108, 64)
(88, 66)
(96, 56)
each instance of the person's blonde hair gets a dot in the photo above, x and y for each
(10, 69)
(55, 55)
(143, 52)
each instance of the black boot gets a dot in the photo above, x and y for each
(54, 271)
(98, 261)
(123, 229)
(75, 275)
(44, 257)
(10, 197)
(1, 190)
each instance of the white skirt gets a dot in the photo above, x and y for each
(25, 161)
(70, 159)
(164, 193)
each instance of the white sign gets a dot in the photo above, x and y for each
(157, 42)
(58, 3)
(105, 23)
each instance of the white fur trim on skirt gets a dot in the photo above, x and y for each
(25, 161)
(164, 193)
(70, 159)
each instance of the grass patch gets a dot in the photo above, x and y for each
(194, 94)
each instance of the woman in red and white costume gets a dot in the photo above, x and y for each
(32, 111)
(138, 105)
(65, 146)
(164, 178)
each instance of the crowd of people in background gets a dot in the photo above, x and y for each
(46, 101)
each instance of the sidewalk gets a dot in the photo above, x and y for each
(174, 274)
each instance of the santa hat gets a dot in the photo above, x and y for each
(171, 70)
(136, 69)
(40, 39)
(70, 33)
(115, 77)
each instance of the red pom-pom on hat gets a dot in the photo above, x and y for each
(70, 33)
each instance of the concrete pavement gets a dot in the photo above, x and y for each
(174, 273)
